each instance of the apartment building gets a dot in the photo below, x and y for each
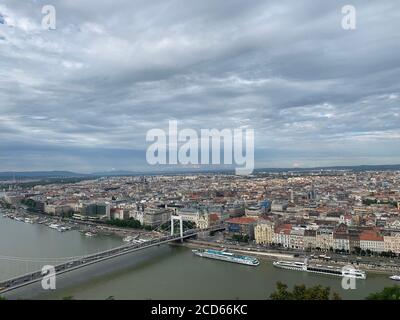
(242, 226)
(309, 239)
(296, 238)
(156, 217)
(371, 240)
(391, 242)
(264, 232)
(324, 239)
(282, 235)
(199, 216)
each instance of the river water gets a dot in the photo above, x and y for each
(164, 272)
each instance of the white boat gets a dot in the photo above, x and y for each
(127, 239)
(28, 220)
(226, 256)
(395, 277)
(54, 226)
(89, 234)
(329, 270)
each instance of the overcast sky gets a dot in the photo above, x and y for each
(83, 96)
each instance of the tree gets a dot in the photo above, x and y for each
(391, 254)
(68, 298)
(29, 202)
(301, 292)
(388, 293)
(281, 292)
(240, 237)
(2, 298)
(67, 214)
(368, 202)
(128, 223)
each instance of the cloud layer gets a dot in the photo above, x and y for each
(83, 96)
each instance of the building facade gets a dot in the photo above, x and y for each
(264, 232)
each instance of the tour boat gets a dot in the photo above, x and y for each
(226, 256)
(329, 270)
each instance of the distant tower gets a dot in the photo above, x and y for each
(291, 196)
(312, 194)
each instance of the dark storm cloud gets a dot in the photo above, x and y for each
(83, 96)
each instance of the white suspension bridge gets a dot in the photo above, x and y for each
(23, 266)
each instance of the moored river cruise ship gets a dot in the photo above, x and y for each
(346, 271)
(226, 256)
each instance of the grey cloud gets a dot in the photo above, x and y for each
(113, 70)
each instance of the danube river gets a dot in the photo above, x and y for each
(165, 272)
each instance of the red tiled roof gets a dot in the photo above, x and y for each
(370, 235)
(283, 228)
(242, 220)
(214, 217)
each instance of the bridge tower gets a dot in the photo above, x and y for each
(179, 218)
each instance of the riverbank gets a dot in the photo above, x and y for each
(163, 272)
(272, 256)
(265, 255)
(66, 224)
(27, 247)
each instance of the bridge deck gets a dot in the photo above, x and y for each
(71, 265)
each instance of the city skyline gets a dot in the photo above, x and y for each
(343, 225)
(82, 97)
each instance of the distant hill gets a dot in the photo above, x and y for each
(8, 175)
(385, 167)
(116, 173)
(39, 174)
